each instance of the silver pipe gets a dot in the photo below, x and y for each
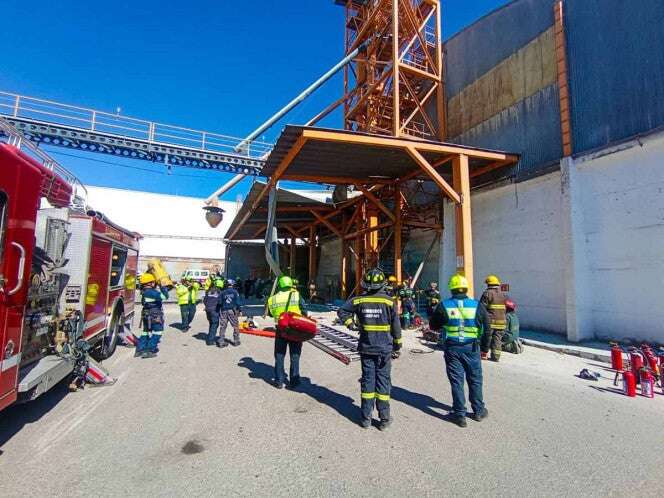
(313, 87)
(224, 188)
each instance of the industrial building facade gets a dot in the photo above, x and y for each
(576, 228)
(578, 232)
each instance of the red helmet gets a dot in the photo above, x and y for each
(510, 305)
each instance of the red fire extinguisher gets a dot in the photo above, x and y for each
(629, 384)
(636, 361)
(647, 383)
(616, 357)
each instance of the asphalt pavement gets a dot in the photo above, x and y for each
(203, 421)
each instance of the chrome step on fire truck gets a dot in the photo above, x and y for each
(67, 274)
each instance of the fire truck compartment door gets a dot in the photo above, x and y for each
(20, 183)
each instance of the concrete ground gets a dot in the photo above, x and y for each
(199, 421)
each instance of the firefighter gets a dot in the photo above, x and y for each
(407, 305)
(493, 300)
(462, 321)
(432, 295)
(152, 316)
(286, 299)
(392, 287)
(212, 278)
(187, 293)
(511, 340)
(380, 341)
(229, 311)
(211, 302)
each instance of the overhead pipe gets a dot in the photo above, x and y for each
(280, 114)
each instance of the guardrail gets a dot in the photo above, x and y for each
(13, 137)
(54, 113)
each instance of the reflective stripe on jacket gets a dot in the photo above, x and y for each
(378, 322)
(152, 298)
(187, 295)
(494, 301)
(462, 321)
(284, 301)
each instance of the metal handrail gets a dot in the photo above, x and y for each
(13, 137)
(50, 112)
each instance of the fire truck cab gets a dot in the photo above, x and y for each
(67, 274)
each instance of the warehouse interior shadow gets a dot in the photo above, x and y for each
(343, 405)
(17, 416)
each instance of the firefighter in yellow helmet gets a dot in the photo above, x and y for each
(461, 322)
(494, 301)
(152, 316)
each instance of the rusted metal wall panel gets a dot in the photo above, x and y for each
(492, 39)
(531, 127)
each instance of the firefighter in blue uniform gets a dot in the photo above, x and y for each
(152, 316)
(462, 321)
(380, 339)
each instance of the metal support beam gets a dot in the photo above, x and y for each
(433, 174)
(397, 233)
(313, 246)
(464, 231)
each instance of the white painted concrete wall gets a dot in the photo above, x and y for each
(516, 235)
(622, 196)
(582, 249)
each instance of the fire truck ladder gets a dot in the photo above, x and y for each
(53, 123)
(336, 343)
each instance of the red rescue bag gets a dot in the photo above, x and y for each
(295, 327)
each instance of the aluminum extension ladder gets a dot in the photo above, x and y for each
(336, 343)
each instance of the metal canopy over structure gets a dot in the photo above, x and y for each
(351, 157)
(293, 212)
(382, 168)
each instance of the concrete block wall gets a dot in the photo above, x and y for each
(516, 235)
(582, 248)
(622, 220)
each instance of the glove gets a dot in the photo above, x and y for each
(396, 347)
(396, 354)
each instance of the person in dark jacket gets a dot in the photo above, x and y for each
(511, 341)
(211, 302)
(229, 312)
(152, 316)
(493, 300)
(380, 338)
(462, 321)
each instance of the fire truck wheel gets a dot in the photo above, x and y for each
(110, 341)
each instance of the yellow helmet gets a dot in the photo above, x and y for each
(392, 279)
(457, 282)
(492, 280)
(147, 278)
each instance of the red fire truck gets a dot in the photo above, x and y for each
(67, 274)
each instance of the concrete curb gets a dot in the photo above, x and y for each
(582, 352)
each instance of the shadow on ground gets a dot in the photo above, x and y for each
(343, 405)
(17, 416)
(422, 402)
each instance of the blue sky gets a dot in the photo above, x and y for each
(215, 65)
